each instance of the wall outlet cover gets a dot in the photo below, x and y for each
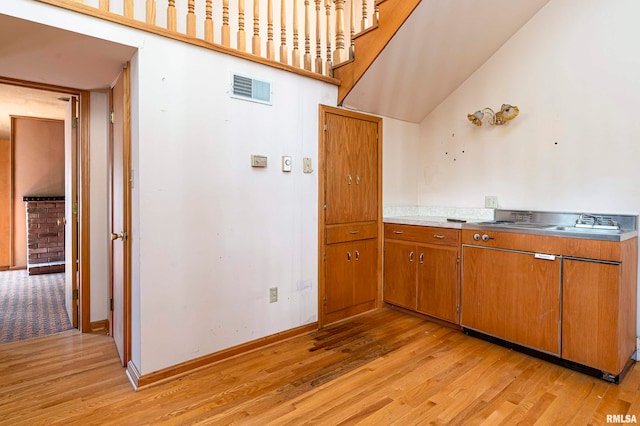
(490, 202)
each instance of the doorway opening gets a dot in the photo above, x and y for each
(40, 213)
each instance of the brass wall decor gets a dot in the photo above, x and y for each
(506, 113)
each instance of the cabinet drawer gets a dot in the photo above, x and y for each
(422, 234)
(351, 232)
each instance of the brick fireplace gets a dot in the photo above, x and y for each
(45, 234)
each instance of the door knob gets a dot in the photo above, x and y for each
(61, 221)
(122, 236)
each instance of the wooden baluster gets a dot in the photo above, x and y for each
(352, 31)
(339, 54)
(307, 37)
(104, 5)
(171, 15)
(226, 30)
(365, 22)
(329, 65)
(208, 21)
(255, 41)
(376, 14)
(295, 55)
(283, 32)
(318, 40)
(191, 18)
(271, 54)
(242, 35)
(128, 9)
(151, 12)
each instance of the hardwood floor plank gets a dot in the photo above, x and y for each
(383, 367)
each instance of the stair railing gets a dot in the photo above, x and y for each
(214, 21)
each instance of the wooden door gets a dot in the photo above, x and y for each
(365, 271)
(339, 277)
(512, 295)
(400, 274)
(119, 170)
(438, 282)
(5, 204)
(590, 301)
(351, 175)
(71, 267)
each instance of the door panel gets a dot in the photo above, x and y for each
(438, 282)
(339, 276)
(71, 210)
(5, 204)
(365, 282)
(513, 296)
(118, 211)
(400, 274)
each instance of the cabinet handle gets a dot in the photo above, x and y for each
(349, 179)
(348, 256)
(353, 232)
(440, 237)
(357, 255)
(421, 258)
(357, 180)
(398, 232)
(411, 257)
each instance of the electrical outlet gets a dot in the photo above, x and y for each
(273, 294)
(490, 202)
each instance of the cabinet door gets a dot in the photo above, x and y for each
(438, 282)
(338, 277)
(512, 295)
(351, 170)
(400, 274)
(365, 271)
(590, 297)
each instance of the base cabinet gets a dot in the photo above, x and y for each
(421, 270)
(350, 274)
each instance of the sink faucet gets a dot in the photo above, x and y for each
(585, 216)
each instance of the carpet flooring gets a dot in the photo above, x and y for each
(31, 306)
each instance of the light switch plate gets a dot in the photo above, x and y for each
(306, 165)
(286, 163)
(258, 160)
(490, 202)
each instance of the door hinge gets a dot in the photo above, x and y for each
(458, 259)
(377, 137)
(74, 122)
(324, 256)
(112, 118)
(111, 304)
(457, 309)
(325, 206)
(75, 294)
(324, 301)
(326, 127)
(74, 208)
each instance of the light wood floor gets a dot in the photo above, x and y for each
(380, 368)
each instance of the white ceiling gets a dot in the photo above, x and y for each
(42, 54)
(441, 44)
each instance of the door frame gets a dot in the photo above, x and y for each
(322, 167)
(82, 152)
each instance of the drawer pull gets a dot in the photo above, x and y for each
(357, 255)
(411, 257)
(349, 180)
(421, 258)
(348, 256)
(398, 232)
(353, 232)
(440, 237)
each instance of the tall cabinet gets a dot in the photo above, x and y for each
(350, 214)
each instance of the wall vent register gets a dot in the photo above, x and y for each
(250, 89)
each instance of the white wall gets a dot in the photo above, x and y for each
(400, 165)
(216, 234)
(98, 206)
(573, 71)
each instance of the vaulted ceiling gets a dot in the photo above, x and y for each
(441, 44)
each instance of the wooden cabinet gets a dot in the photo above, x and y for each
(598, 319)
(512, 295)
(421, 270)
(350, 214)
(578, 304)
